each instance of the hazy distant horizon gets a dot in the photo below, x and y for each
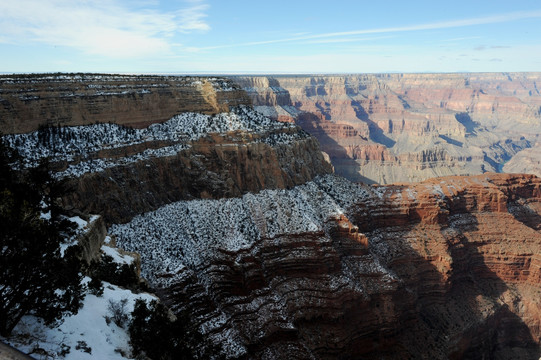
(277, 74)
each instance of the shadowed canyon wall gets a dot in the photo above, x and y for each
(444, 269)
(391, 128)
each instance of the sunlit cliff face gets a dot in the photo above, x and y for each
(408, 127)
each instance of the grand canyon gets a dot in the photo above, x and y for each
(393, 128)
(377, 216)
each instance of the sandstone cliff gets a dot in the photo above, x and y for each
(426, 125)
(30, 101)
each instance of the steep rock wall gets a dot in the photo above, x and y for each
(217, 166)
(480, 121)
(30, 101)
(447, 268)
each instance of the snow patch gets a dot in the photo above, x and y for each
(78, 144)
(117, 256)
(189, 233)
(85, 335)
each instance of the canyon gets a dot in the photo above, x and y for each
(239, 221)
(392, 128)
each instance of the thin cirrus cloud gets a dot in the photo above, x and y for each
(494, 19)
(101, 27)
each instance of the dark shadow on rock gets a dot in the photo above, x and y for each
(340, 159)
(496, 167)
(525, 215)
(465, 119)
(376, 133)
(454, 314)
(451, 141)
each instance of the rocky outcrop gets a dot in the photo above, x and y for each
(9, 353)
(92, 238)
(526, 161)
(478, 121)
(216, 166)
(30, 101)
(442, 269)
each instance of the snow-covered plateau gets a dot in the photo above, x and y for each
(89, 334)
(86, 335)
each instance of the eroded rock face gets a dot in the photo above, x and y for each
(392, 128)
(217, 166)
(30, 101)
(447, 268)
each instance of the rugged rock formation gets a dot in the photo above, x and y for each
(526, 161)
(27, 102)
(118, 171)
(408, 127)
(275, 258)
(443, 269)
(214, 167)
(91, 239)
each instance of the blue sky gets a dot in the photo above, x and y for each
(238, 36)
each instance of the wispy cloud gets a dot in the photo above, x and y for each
(484, 47)
(462, 38)
(493, 19)
(346, 40)
(193, 18)
(108, 28)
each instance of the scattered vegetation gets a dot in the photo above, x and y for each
(119, 314)
(106, 269)
(155, 333)
(35, 276)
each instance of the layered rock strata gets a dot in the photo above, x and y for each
(390, 128)
(443, 269)
(118, 171)
(30, 101)
(214, 167)
(273, 258)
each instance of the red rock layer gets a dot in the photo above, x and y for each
(445, 269)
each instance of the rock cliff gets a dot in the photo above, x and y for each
(214, 167)
(212, 146)
(30, 101)
(447, 268)
(390, 128)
